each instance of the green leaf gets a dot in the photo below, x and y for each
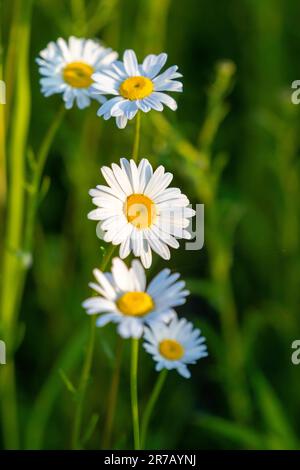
(67, 381)
(50, 390)
(273, 414)
(90, 428)
(243, 436)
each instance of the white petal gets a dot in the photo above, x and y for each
(121, 275)
(98, 305)
(157, 245)
(121, 121)
(153, 64)
(183, 371)
(122, 179)
(155, 180)
(125, 248)
(108, 105)
(131, 63)
(104, 319)
(113, 183)
(146, 255)
(165, 99)
(103, 281)
(145, 174)
(139, 275)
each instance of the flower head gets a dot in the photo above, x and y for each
(139, 212)
(125, 299)
(67, 67)
(174, 345)
(136, 87)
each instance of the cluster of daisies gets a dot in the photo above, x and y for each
(137, 209)
(83, 69)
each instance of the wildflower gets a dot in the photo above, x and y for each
(175, 345)
(67, 67)
(139, 212)
(136, 87)
(125, 299)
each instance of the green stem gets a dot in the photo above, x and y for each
(134, 393)
(2, 127)
(12, 261)
(151, 403)
(113, 395)
(86, 370)
(38, 168)
(2, 157)
(219, 251)
(136, 143)
(85, 376)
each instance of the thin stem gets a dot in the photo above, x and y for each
(134, 393)
(113, 395)
(219, 252)
(136, 143)
(85, 376)
(151, 404)
(38, 168)
(86, 370)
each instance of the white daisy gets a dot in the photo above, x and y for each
(136, 87)
(67, 67)
(139, 212)
(175, 345)
(126, 300)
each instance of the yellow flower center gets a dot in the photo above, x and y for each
(140, 211)
(135, 304)
(78, 74)
(171, 349)
(136, 88)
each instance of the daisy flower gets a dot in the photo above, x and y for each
(124, 298)
(175, 345)
(67, 67)
(136, 87)
(139, 212)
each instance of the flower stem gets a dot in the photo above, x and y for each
(113, 395)
(151, 403)
(86, 370)
(136, 143)
(134, 393)
(38, 168)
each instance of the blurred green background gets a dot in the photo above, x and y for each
(233, 145)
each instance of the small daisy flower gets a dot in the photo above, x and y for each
(136, 87)
(125, 299)
(175, 345)
(67, 67)
(139, 212)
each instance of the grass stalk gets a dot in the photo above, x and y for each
(134, 392)
(86, 369)
(12, 259)
(113, 395)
